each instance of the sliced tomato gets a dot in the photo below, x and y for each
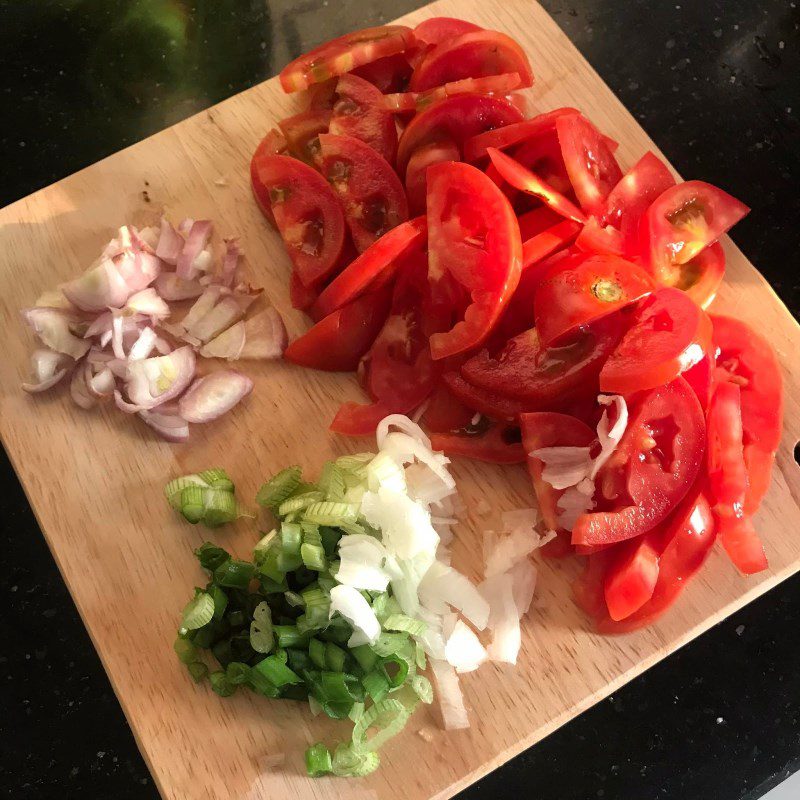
(271, 145)
(701, 277)
(759, 476)
(434, 30)
(631, 197)
(499, 443)
(337, 342)
(684, 220)
(302, 134)
(359, 419)
(345, 54)
(583, 288)
(455, 119)
(491, 404)
(526, 181)
(653, 467)
(389, 74)
(445, 413)
(747, 359)
(668, 335)
(683, 544)
(410, 102)
(547, 377)
(631, 577)
(591, 166)
(541, 154)
(536, 221)
(373, 197)
(549, 429)
(596, 238)
(548, 242)
(475, 54)
(701, 376)
(473, 238)
(727, 476)
(322, 96)
(302, 296)
(376, 264)
(421, 159)
(306, 211)
(501, 137)
(360, 112)
(588, 589)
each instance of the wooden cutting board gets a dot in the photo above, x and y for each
(95, 479)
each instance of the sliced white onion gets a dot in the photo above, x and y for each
(404, 424)
(148, 302)
(609, 435)
(573, 503)
(406, 526)
(47, 369)
(170, 245)
(425, 486)
(564, 466)
(406, 448)
(169, 426)
(228, 345)
(350, 603)
(98, 288)
(225, 313)
(384, 471)
(442, 584)
(361, 563)
(79, 386)
(194, 245)
(265, 336)
(523, 582)
(173, 288)
(451, 700)
(153, 381)
(463, 649)
(213, 395)
(519, 518)
(230, 262)
(52, 326)
(502, 552)
(503, 620)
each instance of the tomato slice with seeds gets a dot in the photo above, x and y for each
(422, 158)
(271, 145)
(546, 377)
(655, 464)
(499, 443)
(548, 242)
(550, 429)
(526, 181)
(455, 119)
(583, 288)
(491, 404)
(668, 335)
(373, 197)
(683, 221)
(591, 166)
(701, 277)
(389, 74)
(475, 54)
(377, 263)
(473, 238)
(302, 134)
(344, 54)
(337, 342)
(360, 112)
(307, 213)
(513, 133)
(409, 102)
(445, 413)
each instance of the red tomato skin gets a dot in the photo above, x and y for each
(373, 197)
(442, 29)
(489, 272)
(759, 476)
(360, 112)
(421, 159)
(631, 577)
(389, 74)
(344, 54)
(337, 342)
(588, 588)
(591, 166)
(454, 119)
(548, 242)
(272, 144)
(702, 276)
(359, 419)
(645, 489)
(701, 377)
(594, 238)
(542, 155)
(537, 221)
(492, 446)
(304, 205)
(302, 297)
(377, 263)
(583, 288)
(669, 334)
(445, 413)
(302, 134)
(475, 54)
(491, 404)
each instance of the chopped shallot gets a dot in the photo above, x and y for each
(213, 395)
(52, 326)
(153, 381)
(265, 336)
(48, 368)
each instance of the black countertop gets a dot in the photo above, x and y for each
(716, 85)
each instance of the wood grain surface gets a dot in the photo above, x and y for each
(95, 479)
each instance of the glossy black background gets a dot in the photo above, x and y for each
(714, 83)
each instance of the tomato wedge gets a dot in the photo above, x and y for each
(654, 466)
(473, 238)
(388, 74)
(684, 220)
(475, 54)
(421, 159)
(596, 238)
(271, 145)
(583, 288)
(409, 102)
(727, 476)
(546, 377)
(442, 29)
(445, 413)
(322, 96)
(306, 211)
(360, 112)
(373, 197)
(500, 443)
(542, 155)
(701, 277)
(548, 242)
(632, 196)
(359, 419)
(374, 266)
(455, 120)
(591, 166)
(491, 404)
(631, 577)
(536, 221)
(669, 334)
(746, 358)
(701, 376)
(344, 54)
(337, 342)
(525, 180)
(302, 134)
(302, 297)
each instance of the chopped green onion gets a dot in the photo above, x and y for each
(270, 565)
(338, 687)
(288, 635)
(288, 563)
(264, 545)
(332, 482)
(210, 556)
(389, 716)
(237, 673)
(259, 684)
(313, 557)
(221, 685)
(219, 508)
(395, 669)
(198, 670)
(376, 685)
(299, 502)
(276, 671)
(306, 625)
(422, 688)
(198, 612)
(316, 652)
(355, 528)
(220, 600)
(174, 488)
(318, 760)
(185, 650)
(401, 622)
(355, 464)
(356, 712)
(365, 656)
(349, 763)
(419, 656)
(193, 503)
(387, 644)
(334, 657)
(261, 637)
(235, 574)
(291, 539)
(330, 539)
(325, 580)
(329, 513)
(293, 599)
(279, 487)
(311, 534)
(217, 479)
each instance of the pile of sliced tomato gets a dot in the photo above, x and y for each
(494, 272)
